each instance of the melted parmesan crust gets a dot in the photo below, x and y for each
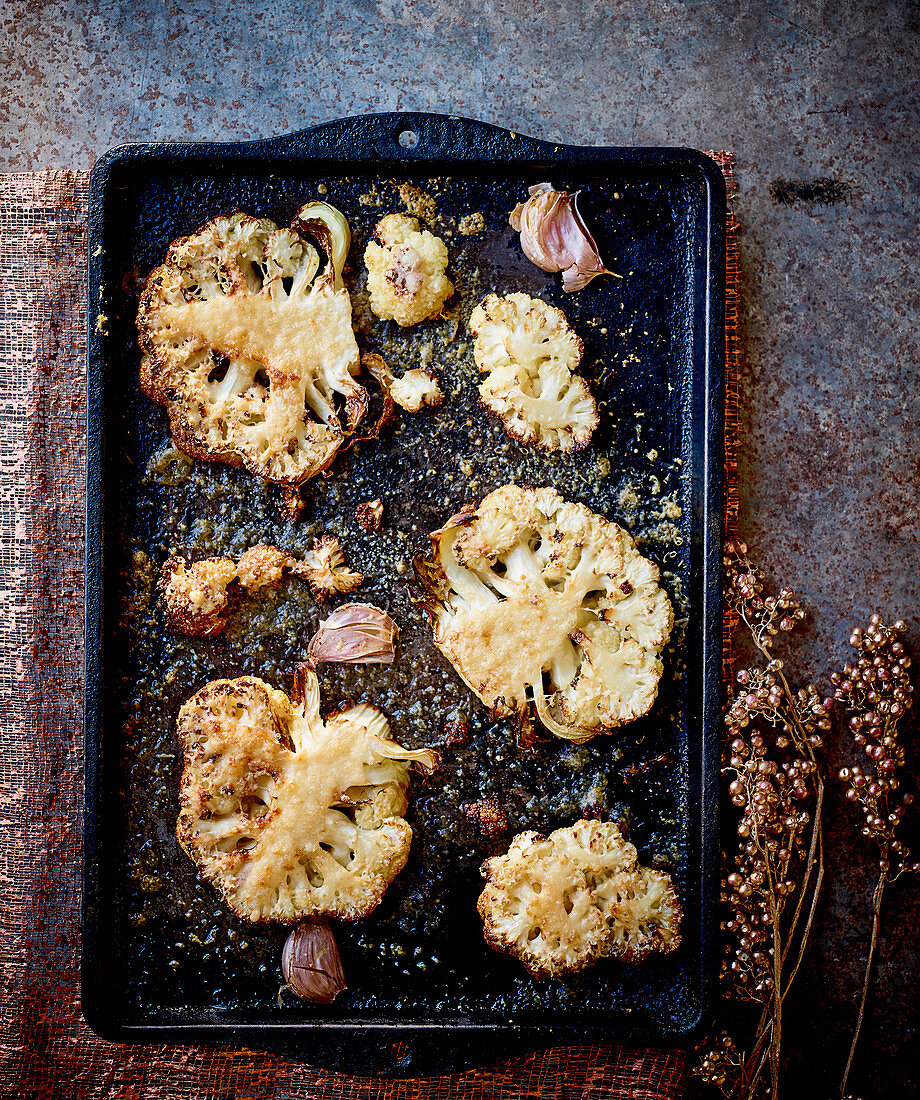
(287, 815)
(528, 584)
(249, 351)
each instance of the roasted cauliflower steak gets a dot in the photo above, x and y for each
(249, 344)
(405, 271)
(288, 815)
(529, 353)
(541, 603)
(562, 902)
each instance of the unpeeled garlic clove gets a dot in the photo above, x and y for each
(355, 633)
(311, 965)
(555, 237)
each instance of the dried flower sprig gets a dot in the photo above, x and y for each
(772, 880)
(876, 692)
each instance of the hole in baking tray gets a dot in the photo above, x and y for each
(408, 139)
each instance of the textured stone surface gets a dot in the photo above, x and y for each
(830, 474)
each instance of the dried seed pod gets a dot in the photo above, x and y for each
(311, 965)
(555, 237)
(354, 634)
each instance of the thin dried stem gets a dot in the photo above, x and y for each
(877, 896)
(815, 859)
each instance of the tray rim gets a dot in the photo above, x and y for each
(442, 139)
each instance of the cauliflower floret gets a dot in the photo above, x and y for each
(530, 587)
(325, 569)
(415, 389)
(263, 566)
(560, 903)
(253, 354)
(195, 599)
(405, 271)
(287, 815)
(529, 353)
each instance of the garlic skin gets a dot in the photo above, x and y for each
(354, 634)
(555, 238)
(310, 963)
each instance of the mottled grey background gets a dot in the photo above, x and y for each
(800, 91)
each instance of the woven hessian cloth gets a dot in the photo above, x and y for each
(46, 1050)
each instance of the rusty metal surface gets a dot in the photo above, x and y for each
(801, 91)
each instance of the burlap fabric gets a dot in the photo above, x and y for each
(46, 1050)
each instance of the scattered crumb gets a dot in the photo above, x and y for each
(664, 532)
(487, 816)
(652, 455)
(370, 513)
(471, 224)
(418, 203)
(457, 730)
(629, 501)
(322, 189)
(101, 323)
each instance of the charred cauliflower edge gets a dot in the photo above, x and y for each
(528, 587)
(530, 353)
(290, 816)
(560, 903)
(249, 344)
(405, 271)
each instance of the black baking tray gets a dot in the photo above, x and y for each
(163, 960)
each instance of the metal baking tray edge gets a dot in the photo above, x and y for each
(391, 1048)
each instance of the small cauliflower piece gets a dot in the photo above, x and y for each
(290, 816)
(196, 598)
(405, 271)
(326, 570)
(560, 903)
(529, 352)
(415, 389)
(263, 566)
(529, 588)
(251, 351)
